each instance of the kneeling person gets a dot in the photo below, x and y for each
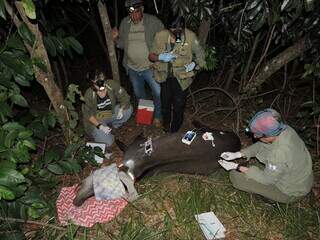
(285, 174)
(107, 105)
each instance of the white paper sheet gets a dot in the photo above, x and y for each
(210, 225)
(100, 145)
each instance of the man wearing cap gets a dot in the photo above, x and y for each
(135, 37)
(176, 53)
(286, 171)
(106, 106)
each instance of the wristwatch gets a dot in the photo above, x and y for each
(98, 125)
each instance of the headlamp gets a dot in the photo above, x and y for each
(177, 33)
(131, 9)
(100, 84)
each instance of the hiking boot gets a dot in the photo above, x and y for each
(157, 123)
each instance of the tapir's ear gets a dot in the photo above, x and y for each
(121, 145)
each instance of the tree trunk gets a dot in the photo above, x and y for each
(46, 79)
(279, 61)
(203, 31)
(108, 35)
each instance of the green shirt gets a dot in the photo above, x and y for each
(116, 94)
(288, 164)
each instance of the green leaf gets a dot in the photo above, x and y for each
(29, 8)
(2, 10)
(26, 34)
(11, 136)
(10, 177)
(19, 100)
(29, 144)
(59, 45)
(52, 155)
(25, 134)
(33, 213)
(12, 61)
(40, 64)
(76, 46)
(21, 80)
(15, 42)
(51, 119)
(6, 193)
(55, 168)
(50, 46)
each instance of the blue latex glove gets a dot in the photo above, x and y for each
(189, 67)
(167, 57)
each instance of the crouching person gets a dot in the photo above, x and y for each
(285, 174)
(107, 106)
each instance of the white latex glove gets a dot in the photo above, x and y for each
(189, 67)
(228, 165)
(105, 129)
(229, 156)
(120, 114)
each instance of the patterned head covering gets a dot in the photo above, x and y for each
(266, 123)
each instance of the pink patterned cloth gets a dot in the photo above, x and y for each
(90, 212)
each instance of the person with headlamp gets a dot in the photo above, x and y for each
(135, 37)
(285, 174)
(106, 106)
(176, 53)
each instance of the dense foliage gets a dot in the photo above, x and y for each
(243, 36)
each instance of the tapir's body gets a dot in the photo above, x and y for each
(170, 154)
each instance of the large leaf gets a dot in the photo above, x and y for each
(11, 60)
(50, 46)
(15, 42)
(6, 193)
(52, 155)
(19, 100)
(22, 80)
(26, 34)
(76, 46)
(55, 168)
(2, 10)
(9, 177)
(10, 138)
(29, 8)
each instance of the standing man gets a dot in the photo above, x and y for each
(173, 52)
(135, 37)
(285, 173)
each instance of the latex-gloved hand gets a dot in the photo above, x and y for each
(105, 129)
(229, 156)
(167, 57)
(189, 67)
(228, 165)
(120, 114)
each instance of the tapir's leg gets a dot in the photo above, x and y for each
(85, 191)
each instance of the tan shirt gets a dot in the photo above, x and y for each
(137, 48)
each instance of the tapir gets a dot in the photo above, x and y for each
(170, 154)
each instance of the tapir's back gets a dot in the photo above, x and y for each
(170, 154)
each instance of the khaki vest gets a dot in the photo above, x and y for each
(184, 54)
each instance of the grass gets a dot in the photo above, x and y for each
(168, 203)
